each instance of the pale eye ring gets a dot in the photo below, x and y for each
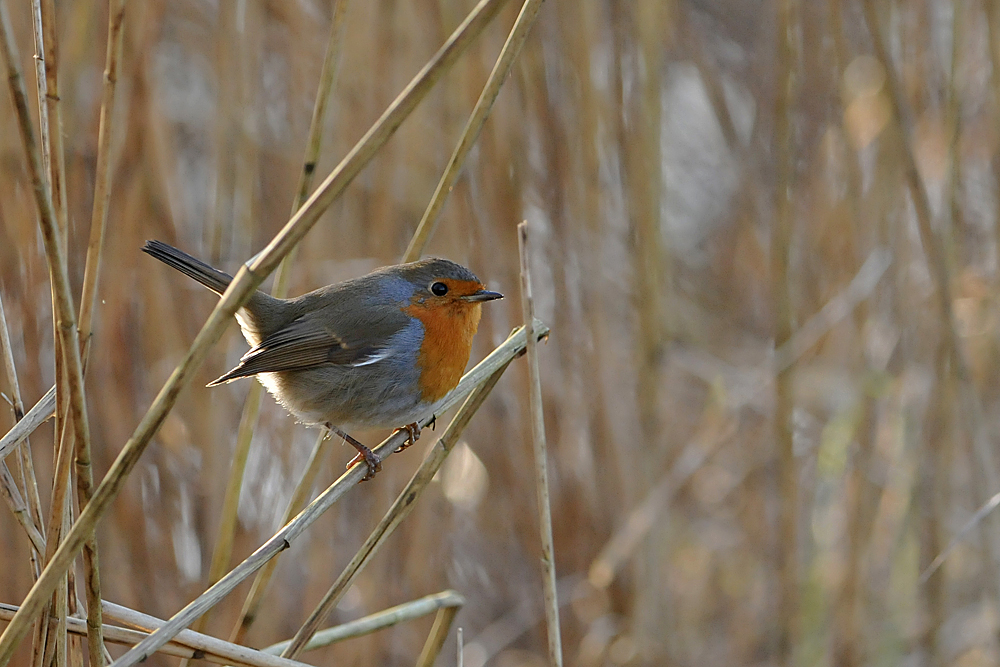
(438, 288)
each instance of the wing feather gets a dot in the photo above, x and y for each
(305, 343)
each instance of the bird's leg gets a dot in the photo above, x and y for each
(413, 434)
(373, 460)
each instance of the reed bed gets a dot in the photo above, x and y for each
(764, 244)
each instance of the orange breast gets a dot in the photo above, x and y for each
(444, 353)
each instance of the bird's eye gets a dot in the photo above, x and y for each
(439, 289)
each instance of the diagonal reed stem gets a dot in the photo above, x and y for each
(40, 413)
(437, 636)
(508, 54)
(281, 540)
(251, 606)
(399, 510)
(246, 280)
(26, 471)
(439, 602)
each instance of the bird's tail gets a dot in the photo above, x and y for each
(212, 278)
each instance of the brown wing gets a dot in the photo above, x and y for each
(303, 343)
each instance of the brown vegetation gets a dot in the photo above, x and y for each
(767, 255)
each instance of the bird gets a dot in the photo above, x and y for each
(378, 351)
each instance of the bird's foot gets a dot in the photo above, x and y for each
(366, 455)
(373, 460)
(413, 434)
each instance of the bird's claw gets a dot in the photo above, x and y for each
(412, 435)
(373, 460)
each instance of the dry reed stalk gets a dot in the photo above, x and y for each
(395, 515)
(437, 636)
(986, 476)
(66, 331)
(54, 165)
(40, 413)
(438, 602)
(88, 299)
(788, 622)
(127, 636)
(834, 311)
(861, 494)
(281, 540)
(971, 523)
(251, 606)
(936, 449)
(26, 468)
(501, 70)
(52, 136)
(654, 302)
(41, 90)
(102, 171)
(930, 502)
(228, 121)
(42, 190)
(246, 280)
(196, 640)
(953, 126)
(223, 552)
(549, 593)
(114, 634)
(645, 182)
(19, 507)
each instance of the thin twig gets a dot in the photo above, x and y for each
(835, 310)
(939, 560)
(281, 540)
(41, 90)
(40, 413)
(52, 137)
(12, 495)
(246, 280)
(195, 640)
(508, 54)
(399, 510)
(29, 484)
(102, 175)
(549, 592)
(240, 655)
(378, 621)
(299, 497)
(437, 636)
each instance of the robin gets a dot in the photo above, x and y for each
(371, 352)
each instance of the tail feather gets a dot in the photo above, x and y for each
(210, 277)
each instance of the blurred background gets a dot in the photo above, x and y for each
(715, 501)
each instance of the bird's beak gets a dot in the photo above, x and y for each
(482, 295)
